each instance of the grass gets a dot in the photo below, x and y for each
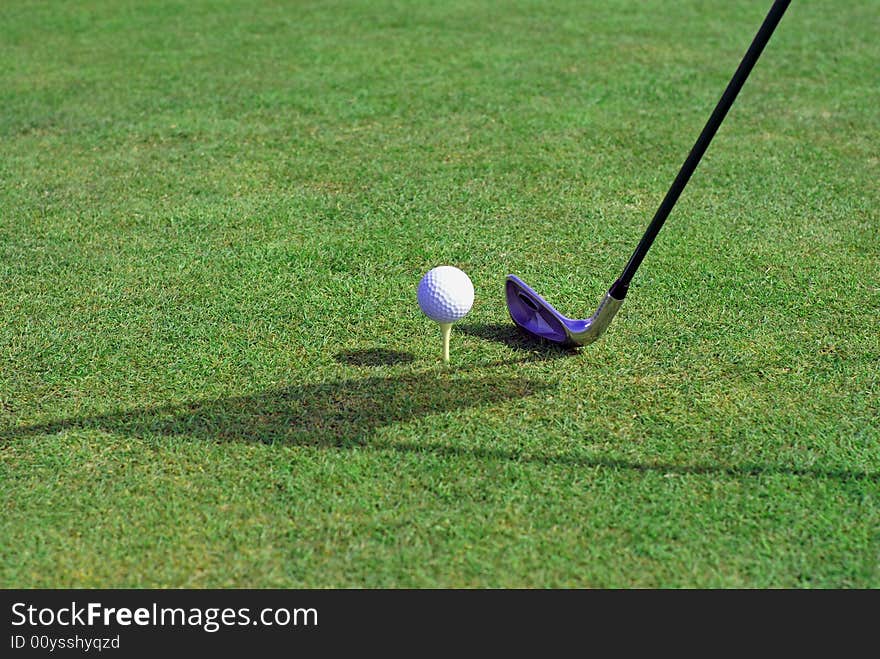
(213, 372)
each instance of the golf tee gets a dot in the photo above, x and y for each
(446, 328)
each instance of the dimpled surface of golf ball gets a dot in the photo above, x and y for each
(446, 294)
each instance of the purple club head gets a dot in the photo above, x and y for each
(539, 318)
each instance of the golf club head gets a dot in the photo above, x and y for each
(535, 315)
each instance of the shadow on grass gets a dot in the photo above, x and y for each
(615, 464)
(334, 414)
(346, 413)
(515, 338)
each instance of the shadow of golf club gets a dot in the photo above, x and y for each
(511, 336)
(334, 414)
(598, 462)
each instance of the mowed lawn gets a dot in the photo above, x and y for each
(213, 370)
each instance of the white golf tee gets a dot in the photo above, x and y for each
(446, 329)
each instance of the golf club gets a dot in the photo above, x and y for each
(538, 317)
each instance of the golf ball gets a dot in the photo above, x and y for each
(445, 294)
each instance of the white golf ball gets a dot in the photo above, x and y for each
(446, 294)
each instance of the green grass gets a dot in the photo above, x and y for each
(213, 372)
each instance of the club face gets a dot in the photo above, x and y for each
(535, 315)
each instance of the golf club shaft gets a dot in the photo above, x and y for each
(620, 287)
